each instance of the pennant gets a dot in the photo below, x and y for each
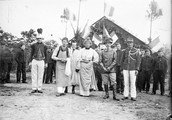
(83, 31)
(108, 10)
(115, 38)
(97, 37)
(105, 32)
(112, 33)
(154, 42)
(111, 11)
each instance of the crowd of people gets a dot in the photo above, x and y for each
(126, 71)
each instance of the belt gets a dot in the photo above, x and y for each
(39, 59)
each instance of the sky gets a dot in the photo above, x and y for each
(21, 15)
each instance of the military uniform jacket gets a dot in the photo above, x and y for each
(130, 59)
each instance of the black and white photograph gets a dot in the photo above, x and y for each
(85, 60)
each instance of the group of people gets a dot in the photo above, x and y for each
(75, 66)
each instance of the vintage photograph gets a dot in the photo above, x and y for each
(85, 60)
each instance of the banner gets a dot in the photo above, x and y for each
(154, 42)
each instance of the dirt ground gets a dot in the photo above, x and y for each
(17, 103)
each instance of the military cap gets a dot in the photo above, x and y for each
(108, 40)
(130, 40)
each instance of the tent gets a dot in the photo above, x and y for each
(114, 29)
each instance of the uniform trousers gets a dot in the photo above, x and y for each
(129, 83)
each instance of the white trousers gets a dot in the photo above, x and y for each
(60, 89)
(129, 83)
(37, 72)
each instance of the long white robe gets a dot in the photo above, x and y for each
(75, 64)
(87, 79)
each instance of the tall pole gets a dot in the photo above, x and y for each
(78, 15)
(150, 37)
(66, 29)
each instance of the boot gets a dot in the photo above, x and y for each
(114, 93)
(106, 92)
(66, 90)
(73, 89)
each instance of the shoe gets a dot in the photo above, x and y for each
(106, 96)
(114, 98)
(153, 93)
(162, 94)
(73, 92)
(18, 81)
(40, 91)
(124, 98)
(133, 99)
(33, 91)
(60, 94)
(24, 82)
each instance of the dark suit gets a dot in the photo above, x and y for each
(21, 65)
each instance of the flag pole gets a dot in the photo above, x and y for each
(78, 15)
(66, 29)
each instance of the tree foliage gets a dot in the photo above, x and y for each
(29, 35)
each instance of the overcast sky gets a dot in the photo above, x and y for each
(19, 15)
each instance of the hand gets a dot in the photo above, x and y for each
(108, 69)
(77, 70)
(45, 65)
(136, 72)
(30, 64)
(86, 61)
(104, 68)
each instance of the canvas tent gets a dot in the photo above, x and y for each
(104, 24)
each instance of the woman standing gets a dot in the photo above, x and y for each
(87, 57)
(60, 54)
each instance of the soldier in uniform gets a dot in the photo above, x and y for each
(3, 62)
(37, 61)
(160, 69)
(10, 63)
(108, 61)
(130, 62)
(146, 67)
(21, 63)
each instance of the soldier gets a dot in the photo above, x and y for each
(21, 63)
(10, 63)
(108, 61)
(37, 61)
(146, 67)
(50, 67)
(119, 79)
(3, 62)
(130, 62)
(160, 69)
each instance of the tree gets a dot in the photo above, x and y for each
(153, 13)
(29, 35)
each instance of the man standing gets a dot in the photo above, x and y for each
(160, 69)
(146, 67)
(119, 79)
(130, 62)
(50, 67)
(10, 63)
(75, 66)
(108, 61)
(21, 63)
(38, 61)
